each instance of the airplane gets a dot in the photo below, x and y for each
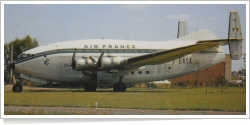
(120, 62)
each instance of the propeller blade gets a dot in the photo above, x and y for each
(74, 54)
(92, 59)
(100, 60)
(12, 66)
(73, 59)
(11, 54)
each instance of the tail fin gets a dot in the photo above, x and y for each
(235, 35)
(182, 29)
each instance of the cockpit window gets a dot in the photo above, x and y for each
(23, 55)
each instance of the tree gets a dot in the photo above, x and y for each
(19, 46)
(239, 72)
(221, 82)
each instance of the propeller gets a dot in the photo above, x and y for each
(12, 67)
(99, 62)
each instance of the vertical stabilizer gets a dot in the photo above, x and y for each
(235, 35)
(182, 29)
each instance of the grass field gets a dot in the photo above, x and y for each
(201, 99)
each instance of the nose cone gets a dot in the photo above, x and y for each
(12, 66)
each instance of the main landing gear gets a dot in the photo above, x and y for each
(90, 87)
(120, 87)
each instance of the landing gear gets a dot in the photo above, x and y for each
(90, 87)
(119, 87)
(17, 88)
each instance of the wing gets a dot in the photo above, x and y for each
(169, 55)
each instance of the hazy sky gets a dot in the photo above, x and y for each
(50, 23)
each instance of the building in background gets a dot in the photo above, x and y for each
(206, 76)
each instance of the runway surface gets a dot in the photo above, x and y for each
(108, 111)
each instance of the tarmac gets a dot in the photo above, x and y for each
(107, 111)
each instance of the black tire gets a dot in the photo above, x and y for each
(90, 87)
(17, 88)
(119, 87)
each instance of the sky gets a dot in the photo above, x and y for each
(51, 23)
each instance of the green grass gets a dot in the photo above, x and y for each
(230, 99)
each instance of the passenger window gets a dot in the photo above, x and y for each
(96, 50)
(119, 51)
(147, 72)
(128, 51)
(20, 56)
(132, 72)
(135, 51)
(24, 55)
(140, 72)
(143, 51)
(112, 51)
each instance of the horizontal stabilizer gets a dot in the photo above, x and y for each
(235, 36)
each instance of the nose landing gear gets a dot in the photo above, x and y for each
(17, 88)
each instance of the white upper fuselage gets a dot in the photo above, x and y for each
(52, 62)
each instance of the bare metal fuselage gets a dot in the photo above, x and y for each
(54, 65)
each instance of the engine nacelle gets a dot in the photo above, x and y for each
(106, 63)
(82, 64)
(112, 63)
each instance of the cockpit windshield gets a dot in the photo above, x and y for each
(24, 55)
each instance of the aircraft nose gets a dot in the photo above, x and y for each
(12, 66)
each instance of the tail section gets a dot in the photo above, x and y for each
(235, 36)
(182, 29)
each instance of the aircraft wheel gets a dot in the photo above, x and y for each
(17, 88)
(119, 87)
(90, 87)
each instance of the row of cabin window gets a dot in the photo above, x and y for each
(140, 72)
(118, 51)
(23, 55)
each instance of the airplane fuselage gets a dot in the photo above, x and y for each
(52, 63)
